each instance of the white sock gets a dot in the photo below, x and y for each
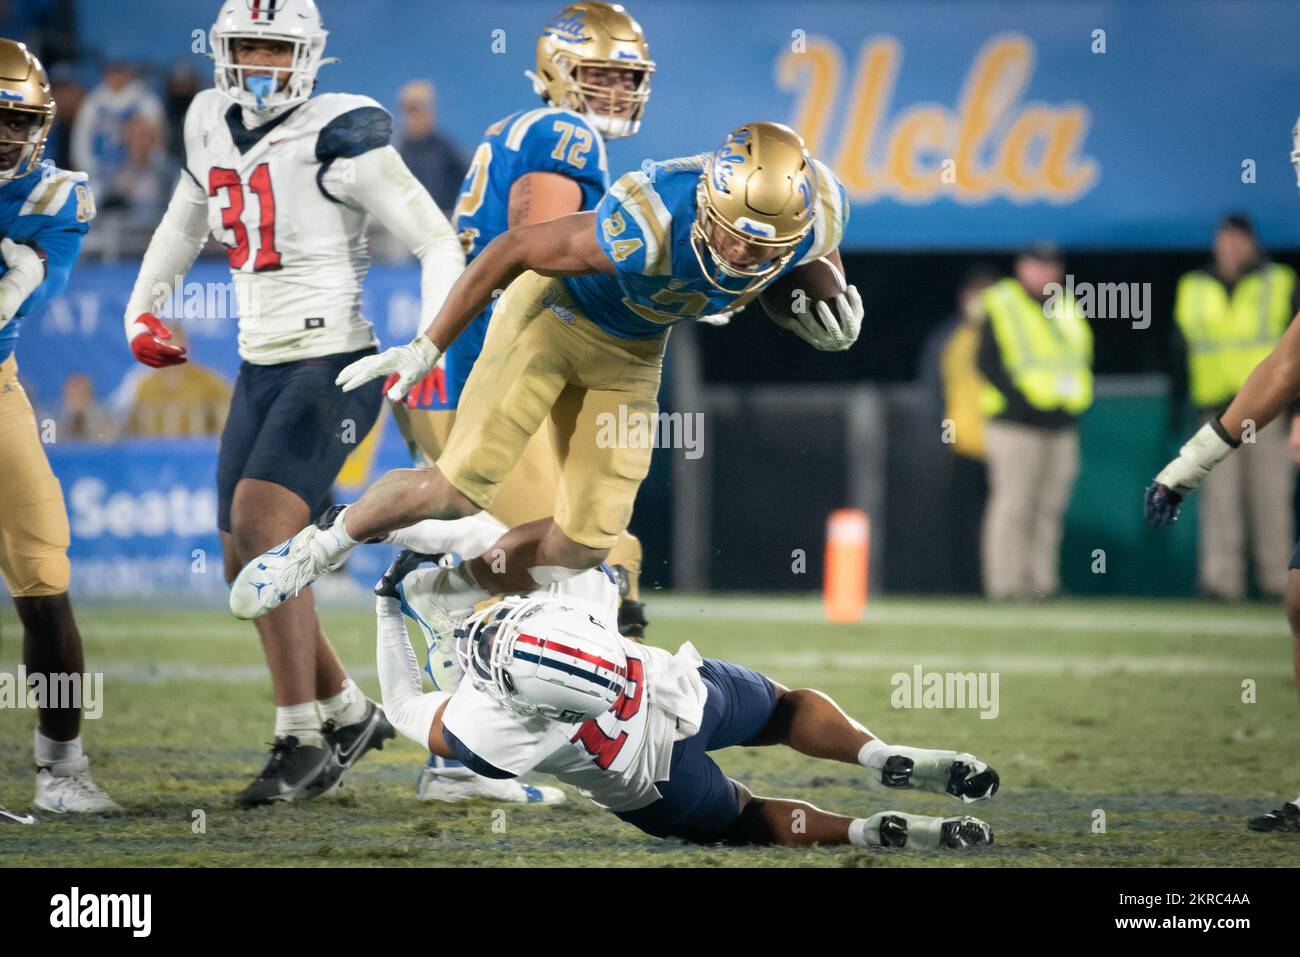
(345, 708)
(863, 834)
(336, 539)
(49, 752)
(302, 721)
(868, 749)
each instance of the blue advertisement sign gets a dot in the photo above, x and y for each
(971, 124)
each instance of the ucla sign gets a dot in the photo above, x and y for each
(977, 124)
(988, 143)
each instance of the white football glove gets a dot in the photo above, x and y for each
(25, 270)
(1196, 459)
(410, 363)
(819, 327)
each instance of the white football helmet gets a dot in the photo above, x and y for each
(539, 656)
(290, 21)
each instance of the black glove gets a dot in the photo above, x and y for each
(1161, 505)
(406, 562)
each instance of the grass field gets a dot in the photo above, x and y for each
(1131, 708)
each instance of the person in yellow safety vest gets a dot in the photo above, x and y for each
(1228, 316)
(953, 387)
(1036, 357)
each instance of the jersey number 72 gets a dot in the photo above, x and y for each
(268, 257)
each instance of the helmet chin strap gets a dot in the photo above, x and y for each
(538, 86)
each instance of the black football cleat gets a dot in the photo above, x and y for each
(295, 772)
(969, 783)
(632, 622)
(631, 619)
(893, 831)
(1285, 819)
(960, 832)
(351, 741)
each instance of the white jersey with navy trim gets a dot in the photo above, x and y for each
(297, 252)
(615, 759)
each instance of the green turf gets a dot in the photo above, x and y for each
(1132, 708)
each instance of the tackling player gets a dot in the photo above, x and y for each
(287, 181)
(552, 688)
(1267, 392)
(579, 336)
(44, 215)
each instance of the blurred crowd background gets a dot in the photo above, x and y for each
(1182, 188)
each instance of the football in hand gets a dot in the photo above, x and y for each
(820, 280)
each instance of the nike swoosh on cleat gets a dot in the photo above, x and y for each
(17, 818)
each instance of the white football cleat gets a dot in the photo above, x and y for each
(277, 575)
(955, 773)
(467, 786)
(68, 788)
(898, 829)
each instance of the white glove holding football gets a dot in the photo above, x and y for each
(410, 363)
(25, 270)
(1196, 459)
(816, 325)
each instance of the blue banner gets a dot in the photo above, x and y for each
(143, 514)
(980, 123)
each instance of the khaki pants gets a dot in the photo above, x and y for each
(1031, 476)
(33, 521)
(1252, 487)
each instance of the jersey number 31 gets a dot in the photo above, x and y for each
(268, 257)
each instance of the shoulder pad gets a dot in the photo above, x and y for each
(49, 197)
(354, 132)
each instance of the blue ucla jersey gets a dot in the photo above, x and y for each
(644, 225)
(544, 140)
(52, 208)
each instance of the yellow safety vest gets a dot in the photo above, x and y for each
(1049, 358)
(1228, 336)
(963, 387)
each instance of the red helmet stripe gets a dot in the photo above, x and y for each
(573, 652)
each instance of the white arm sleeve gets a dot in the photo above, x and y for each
(175, 245)
(467, 537)
(407, 708)
(379, 181)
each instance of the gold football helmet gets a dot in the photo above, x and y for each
(594, 35)
(756, 191)
(24, 90)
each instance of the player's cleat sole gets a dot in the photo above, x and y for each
(1285, 819)
(962, 776)
(899, 829)
(352, 741)
(68, 788)
(438, 787)
(959, 832)
(280, 573)
(294, 772)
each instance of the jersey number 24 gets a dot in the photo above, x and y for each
(220, 178)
